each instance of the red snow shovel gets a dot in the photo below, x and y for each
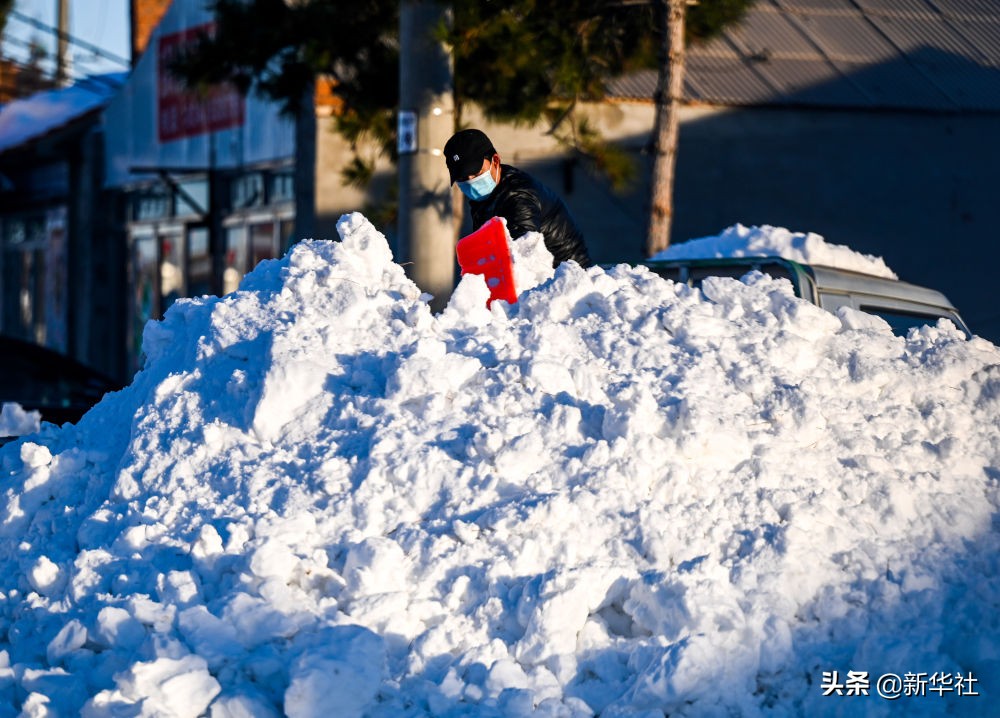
(486, 252)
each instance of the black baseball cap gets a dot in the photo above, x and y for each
(464, 153)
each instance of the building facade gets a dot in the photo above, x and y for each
(57, 250)
(206, 182)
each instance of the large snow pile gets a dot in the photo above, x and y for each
(618, 496)
(768, 241)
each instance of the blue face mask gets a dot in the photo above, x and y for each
(480, 186)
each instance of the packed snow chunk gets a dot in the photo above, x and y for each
(259, 620)
(468, 303)
(211, 637)
(505, 675)
(180, 687)
(178, 588)
(243, 705)
(35, 455)
(854, 319)
(366, 249)
(375, 565)
(15, 421)
(46, 577)
(768, 241)
(288, 385)
(337, 676)
(556, 613)
(118, 628)
(71, 638)
(532, 261)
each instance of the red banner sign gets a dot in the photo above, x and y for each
(180, 112)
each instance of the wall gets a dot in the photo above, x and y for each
(333, 197)
(917, 189)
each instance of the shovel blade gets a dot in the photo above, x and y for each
(487, 252)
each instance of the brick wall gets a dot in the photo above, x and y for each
(146, 15)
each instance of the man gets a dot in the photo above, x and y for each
(499, 190)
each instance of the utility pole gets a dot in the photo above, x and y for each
(62, 43)
(426, 121)
(305, 166)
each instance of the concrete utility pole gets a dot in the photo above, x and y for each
(426, 121)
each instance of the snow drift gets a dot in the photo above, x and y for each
(620, 496)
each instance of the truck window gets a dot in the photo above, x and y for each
(901, 322)
(737, 271)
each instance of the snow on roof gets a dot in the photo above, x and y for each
(768, 241)
(621, 496)
(37, 115)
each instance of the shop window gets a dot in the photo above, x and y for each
(282, 187)
(236, 258)
(171, 273)
(247, 191)
(24, 270)
(24, 231)
(149, 204)
(262, 243)
(199, 264)
(193, 200)
(146, 292)
(285, 229)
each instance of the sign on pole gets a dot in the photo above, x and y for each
(406, 132)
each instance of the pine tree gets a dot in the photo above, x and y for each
(524, 60)
(518, 60)
(278, 49)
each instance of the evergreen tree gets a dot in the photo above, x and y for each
(278, 49)
(519, 60)
(523, 60)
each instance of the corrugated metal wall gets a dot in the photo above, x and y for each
(934, 55)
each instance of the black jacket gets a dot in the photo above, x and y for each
(530, 206)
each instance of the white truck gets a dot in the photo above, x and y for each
(901, 304)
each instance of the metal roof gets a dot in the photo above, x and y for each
(939, 55)
(46, 112)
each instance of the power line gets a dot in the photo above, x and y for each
(87, 83)
(17, 15)
(18, 41)
(79, 58)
